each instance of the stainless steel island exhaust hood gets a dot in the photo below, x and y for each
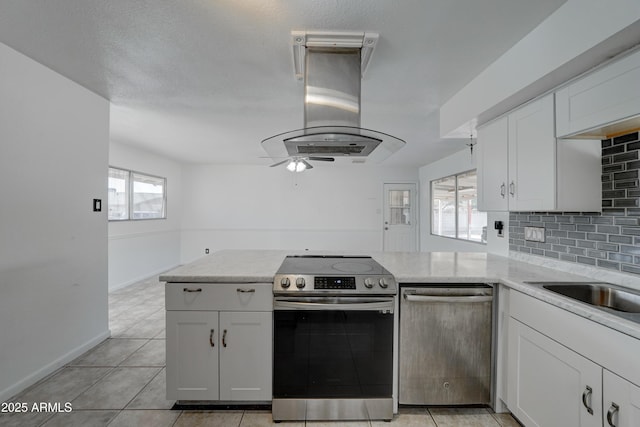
(333, 68)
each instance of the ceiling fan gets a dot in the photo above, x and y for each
(299, 164)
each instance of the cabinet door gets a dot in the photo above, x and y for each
(600, 98)
(492, 166)
(621, 407)
(550, 385)
(532, 157)
(192, 355)
(246, 355)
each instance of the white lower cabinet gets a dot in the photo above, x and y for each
(192, 355)
(550, 385)
(223, 353)
(565, 370)
(245, 356)
(621, 401)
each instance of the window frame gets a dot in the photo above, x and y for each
(456, 206)
(130, 195)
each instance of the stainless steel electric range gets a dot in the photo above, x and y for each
(333, 339)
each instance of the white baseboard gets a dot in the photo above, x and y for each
(139, 279)
(50, 368)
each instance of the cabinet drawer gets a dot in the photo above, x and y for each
(219, 296)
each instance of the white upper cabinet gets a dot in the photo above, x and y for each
(493, 173)
(522, 167)
(594, 104)
(532, 159)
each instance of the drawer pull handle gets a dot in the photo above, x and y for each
(503, 190)
(224, 338)
(512, 188)
(211, 338)
(192, 290)
(587, 395)
(611, 412)
(246, 291)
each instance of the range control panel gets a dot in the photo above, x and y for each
(334, 283)
(338, 285)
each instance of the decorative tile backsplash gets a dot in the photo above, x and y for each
(610, 239)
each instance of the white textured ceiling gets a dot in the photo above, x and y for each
(206, 80)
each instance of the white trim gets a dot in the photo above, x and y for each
(142, 278)
(50, 368)
(142, 234)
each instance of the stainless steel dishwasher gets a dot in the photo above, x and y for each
(445, 344)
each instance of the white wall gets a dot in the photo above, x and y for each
(140, 249)
(54, 138)
(576, 37)
(332, 207)
(461, 161)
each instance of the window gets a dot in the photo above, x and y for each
(454, 208)
(399, 208)
(133, 195)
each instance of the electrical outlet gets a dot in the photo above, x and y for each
(534, 234)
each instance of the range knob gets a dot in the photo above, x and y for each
(300, 283)
(383, 283)
(368, 283)
(285, 282)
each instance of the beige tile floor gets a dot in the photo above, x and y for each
(121, 382)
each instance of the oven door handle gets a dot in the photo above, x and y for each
(385, 306)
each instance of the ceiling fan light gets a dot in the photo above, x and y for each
(296, 166)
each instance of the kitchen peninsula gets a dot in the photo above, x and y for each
(542, 339)
(259, 266)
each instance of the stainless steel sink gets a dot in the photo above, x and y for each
(614, 299)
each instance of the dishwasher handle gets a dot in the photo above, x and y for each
(448, 299)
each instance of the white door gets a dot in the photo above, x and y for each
(245, 355)
(400, 213)
(550, 385)
(493, 158)
(192, 355)
(621, 406)
(532, 154)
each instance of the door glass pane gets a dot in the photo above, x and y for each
(399, 207)
(443, 206)
(148, 197)
(470, 220)
(118, 200)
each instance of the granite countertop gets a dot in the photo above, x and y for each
(255, 266)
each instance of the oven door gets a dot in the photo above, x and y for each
(333, 347)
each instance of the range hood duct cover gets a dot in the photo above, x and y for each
(332, 83)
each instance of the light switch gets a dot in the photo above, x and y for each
(97, 205)
(534, 234)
